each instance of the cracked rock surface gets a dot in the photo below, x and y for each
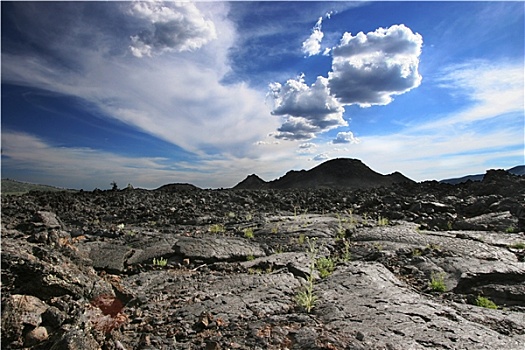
(411, 266)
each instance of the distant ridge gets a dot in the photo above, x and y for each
(334, 173)
(517, 170)
(177, 187)
(10, 186)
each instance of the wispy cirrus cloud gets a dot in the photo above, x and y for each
(494, 89)
(177, 94)
(312, 45)
(89, 168)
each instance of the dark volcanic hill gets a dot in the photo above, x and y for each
(335, 173)
(517, 170)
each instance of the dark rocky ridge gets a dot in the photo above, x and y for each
(517, 170)
(335, 173)
(78, 272)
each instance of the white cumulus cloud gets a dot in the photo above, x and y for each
(345, 137)
(170, 26)
(321, 156)
(308, 109)
(368, 69)
(307, 148)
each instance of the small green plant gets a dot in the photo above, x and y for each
(279, 249)
(416, 252)
(160, 262)
(433, 246)
(365, 219)
(510, 229)
(248, 232)
(437, 283)
(325, 266)
(347, 256)
(520, 245)
(302, 238)
(485, 302)
(217, 228)
(341, 231)
(250, 257)
(382, 221)
(275, 229)
(312, 247)
(306, 297)
(255, 271)
(378, 246)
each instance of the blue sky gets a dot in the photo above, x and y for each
(210, 92)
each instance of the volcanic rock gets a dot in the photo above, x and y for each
(408, 265)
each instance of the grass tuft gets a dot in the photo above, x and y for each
(486, 303)
(437, 283)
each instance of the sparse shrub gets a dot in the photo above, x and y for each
(346, 251)
(378, 246)
(433, 246)
(160, 262)
(250, 257)
(510, 229)
(416, 252)
(217, 228)
(306, 297)
(382, 221)
(340, 228)
(325, 266)
(520, 245)
(486, 302)
(437, 283)
(248, 232)
(302, 238)
(365, 219)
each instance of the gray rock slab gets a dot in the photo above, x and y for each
(190, 294)
(155, 247)
(217, 249)
(367, 300)
(108, 256)
(296, 263)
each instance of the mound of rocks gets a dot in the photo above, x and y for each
(414, 266)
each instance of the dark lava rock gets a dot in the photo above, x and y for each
(404, 265)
